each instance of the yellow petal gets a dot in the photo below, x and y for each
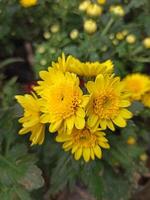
(98, 151)
(78, 154)
(110, 125)
(92, 120)
(103, 124)
(104, 145)
(55, 126)
(70, 124)
(24, 131)
(86, 154)
(92, 154)
(74, 148)
(80, 112)
(79, 122)
(67, 144)
(125, 103)
(119, 121)
(62, 138)
(126, 114)
(90, 86)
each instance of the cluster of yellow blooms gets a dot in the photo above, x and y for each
(77, 111)
(28, 3)
(138, 87)
(94, 10)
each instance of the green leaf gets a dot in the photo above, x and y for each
(32, 179)
(136, 108)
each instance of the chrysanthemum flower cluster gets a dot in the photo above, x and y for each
(78, 101)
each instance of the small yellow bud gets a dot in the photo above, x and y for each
(125, 32)
(131, 39)
(74, 34)
(90, 26)
(84, 5)
(131, 140)
(104, 48)
(54, 28)
(28, 3)
(111, 36)
(43, 62)
(115, 42)
(46, 35)
(41, 49)
(146, 43)
(143, 157)
(117, 10)
(119, 36)
(101, 2)
(94, 10)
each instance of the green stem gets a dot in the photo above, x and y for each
(137, 50)
(107, 27)
(141, 59)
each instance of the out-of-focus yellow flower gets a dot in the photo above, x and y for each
(46, 35)
(125, 32)
(62, 103)
(119, 36)
(111, 36)
(115, 42)
(101, 2)
(84, 5)
(31, 121)
(146, 43)
(84, 143)
(107, 104)
(94, 10)
(131, 140)
(41, 49)
(131, 39)
(74, 34)
(143, 157)
(146, 99)
(28, 3)
(90, 26)
(43, 62)
(137, 85)
(55, 28)
(117, 10)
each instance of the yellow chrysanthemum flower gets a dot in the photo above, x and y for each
(89, 69)
(84, 5)
(62, 104)
(84, 143)
(146, 99)
(107, 103)
(28, 3)
(131, 140)
(101, 2)
(31, 119)
(146, 43)
(94, 10)
(90, 26)
(117, 10)
(137, 85)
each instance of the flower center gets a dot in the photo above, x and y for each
(64, 101)
(106, 105)
(84, 138)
